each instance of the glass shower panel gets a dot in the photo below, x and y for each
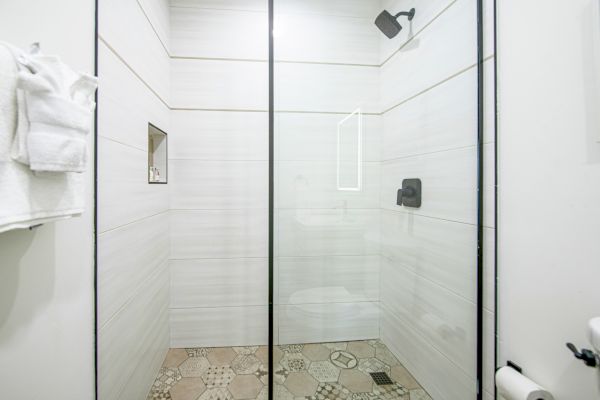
(373, 299)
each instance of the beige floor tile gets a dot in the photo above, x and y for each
(175, 357)
(356, 381)
(245, 364)
(188, 389)
(301, 384)
(316, 352)
(245, 387)
(262, 353)
(221, 356)
(194, 367)
(419, 394)
(361, 349)
(403, 377)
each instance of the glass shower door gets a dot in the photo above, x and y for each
(375, 211)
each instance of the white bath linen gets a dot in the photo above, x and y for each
(59, 109)
(27, 199)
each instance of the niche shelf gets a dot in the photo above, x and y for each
(157, 155)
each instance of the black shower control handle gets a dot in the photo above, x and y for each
(586, 355)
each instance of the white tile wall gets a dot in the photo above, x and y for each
(215, 135)
(220, 85)
(328, 322)
(326, 88)
(220, 326)
(219, 33)
(233, 282)
(313, 137)
(125, 195)
(328, 279)
(142, 51)
(218, 233)
(199, 184)
(126, 256)
(133, 220)
(255, 5)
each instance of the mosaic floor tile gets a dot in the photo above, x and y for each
(245, 387)
(194, 367)
(391, 392)
(245, 364)
(301, 384)
(291, 348)
(343, 359)
(361, 349)
(295, 362)
(419, 394)
(216, 394)
(218, 377)
(188, 389)
(356, 381)
(316, 352)
(324, 371)
(166, 378)
(331, 391)
(159, 395)
(198, 351)
(364, 396)
(368, 365)
(247, 350)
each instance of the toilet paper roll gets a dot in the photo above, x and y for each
(514, 386)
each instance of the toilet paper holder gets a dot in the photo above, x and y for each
(591, 358)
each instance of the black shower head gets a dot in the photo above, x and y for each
(388, 23)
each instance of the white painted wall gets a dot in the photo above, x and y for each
(133, 221)
(549, 99)
(46, 276)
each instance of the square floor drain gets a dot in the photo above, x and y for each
(381, 378)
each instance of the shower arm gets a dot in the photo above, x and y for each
(410, 14)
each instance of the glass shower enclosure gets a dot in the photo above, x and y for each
(376, 138)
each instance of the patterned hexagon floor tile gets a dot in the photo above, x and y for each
(385, 355)
(247, 350)
(391, 392)
(361, 349)
(336, 346)
(198, 351)
(281, 393)
(368, 365)
(216, 394)
(364, 396)
(245, 364)
(291, 348)
(218, 377)
(159, 395)
(324, 371)
(245, 387)
(331, 391)
(343, 359)
(166, 378)
(295, 362)
(194, 367)
(280, 374)
(262, 373)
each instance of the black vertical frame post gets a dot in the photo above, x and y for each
(480, 190)
(96, 358)
(495, 27)
(271, 189)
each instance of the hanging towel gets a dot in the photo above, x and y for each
(27, 199)
(59, 109)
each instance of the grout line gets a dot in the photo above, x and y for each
(392, 160)
(124, 144)
(133, 71)
(153, 28)
(132, 222)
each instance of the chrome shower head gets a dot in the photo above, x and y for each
(388, 23)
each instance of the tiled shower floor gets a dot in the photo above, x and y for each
(327, 371)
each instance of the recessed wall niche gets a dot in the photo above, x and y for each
(157, 155)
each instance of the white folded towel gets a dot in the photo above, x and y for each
(59, 109)
(26, 198)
